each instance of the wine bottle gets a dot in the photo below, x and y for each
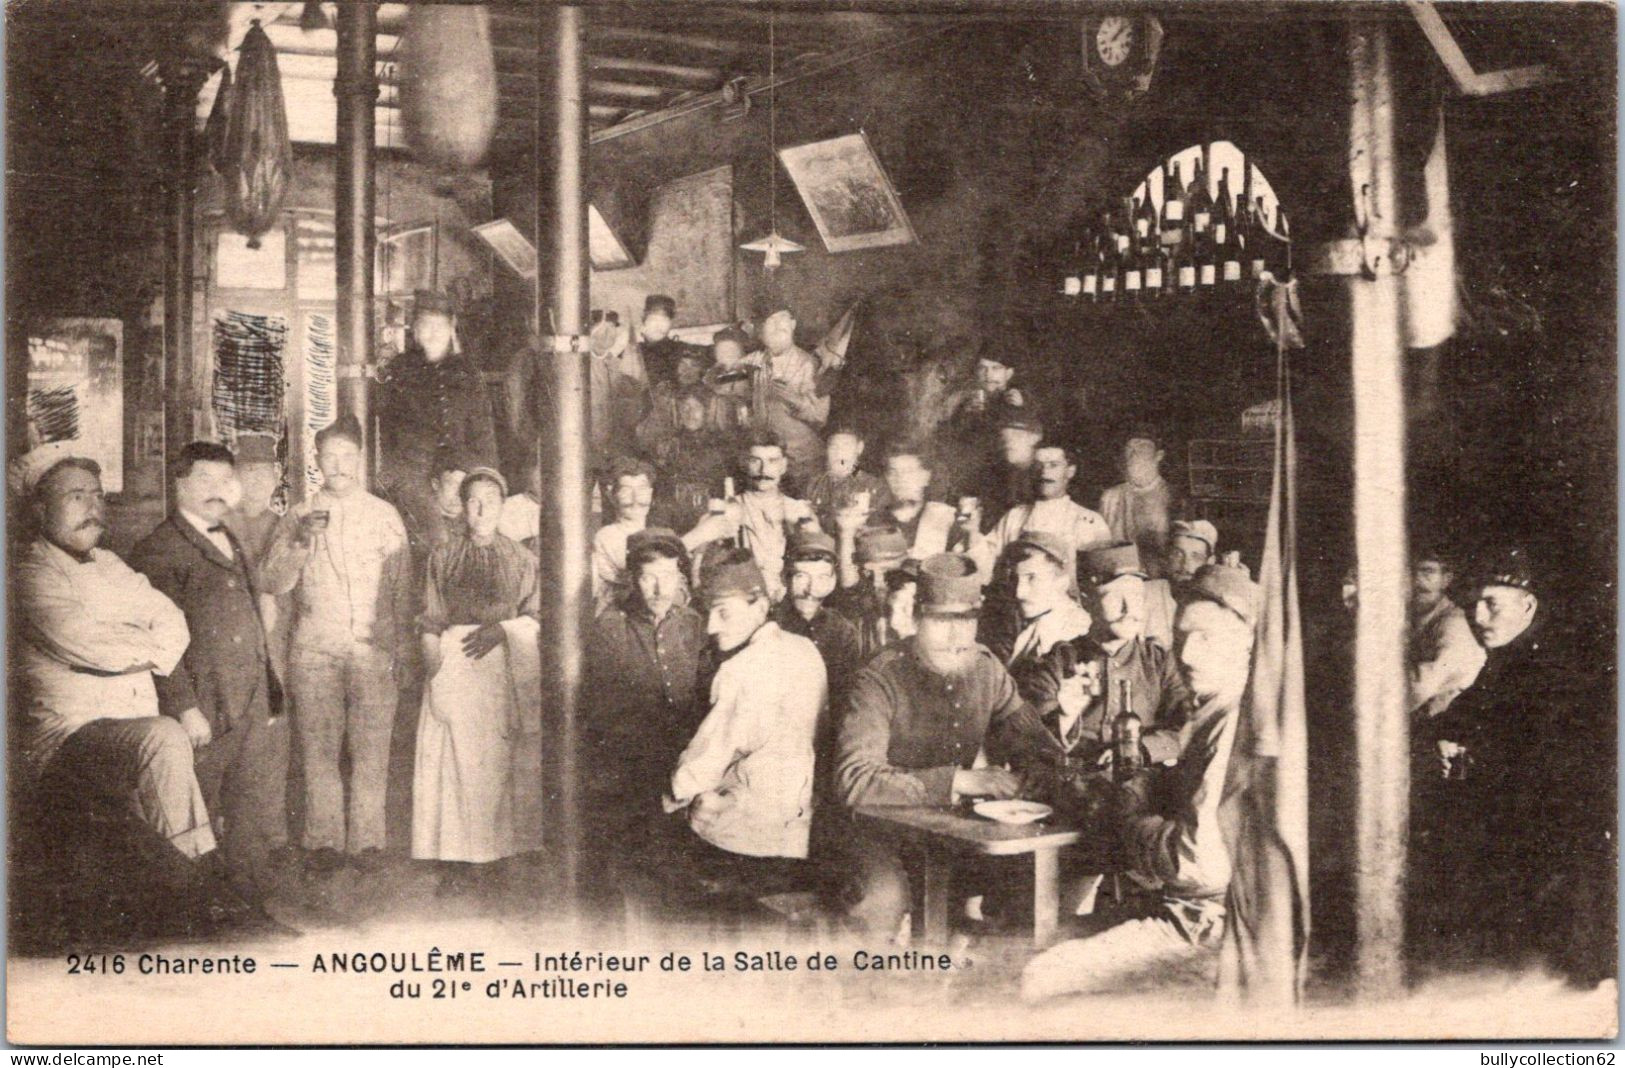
(1128, 251)
(1226, 239)
(1184, 257)
(1198, 200)
(1145, 217)
(1127, 728)
(1091, 269)
(1173, 205)
(1252, 227)
(1152, 259)
(1109, 266)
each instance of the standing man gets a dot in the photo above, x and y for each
(1177, 847)
(433, 399)
(767, 517)
(746, 778)
(253, 522)
(659, 350)
(918, 716)
(1442, 656)
(343, 554)
(1139, 509)
(795, 409)
(93, 635)
(927, 526)
(1011, 475)
(223, 692)
(1050, 510)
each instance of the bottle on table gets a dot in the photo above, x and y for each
(1127, 753)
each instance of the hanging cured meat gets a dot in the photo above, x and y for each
(219, 124)
(258, 158)
(449, 84)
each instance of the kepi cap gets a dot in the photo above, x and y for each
(1506, 567)
(949, 586)
(1228, 587)
(735, 578)
(1200, 529)
(1051, 545)
(876, 545)
(655, 538)
(659, 303)
(433, 302)
(1108, 563)
(811, 545)
(1016, 417)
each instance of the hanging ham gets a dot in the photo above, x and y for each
(258, 157)
(449, 84)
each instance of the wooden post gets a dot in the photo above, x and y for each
(561, 310)
(182, 82)
(354, 199)
(1381, 729)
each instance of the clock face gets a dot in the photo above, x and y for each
(1114, 40)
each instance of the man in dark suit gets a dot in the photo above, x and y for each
(222, 692)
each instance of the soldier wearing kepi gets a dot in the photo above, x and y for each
(1508, 835)
(1158, 695)
(916, 719)
(660, 351)
(1176, 845)
(433, 400)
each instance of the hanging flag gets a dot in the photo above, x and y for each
(1266, 810)
(1430, 280)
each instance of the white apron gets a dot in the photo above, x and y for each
(476, 784)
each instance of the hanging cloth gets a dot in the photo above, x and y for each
(258, 156)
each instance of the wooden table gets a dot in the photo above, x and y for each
(948, 832)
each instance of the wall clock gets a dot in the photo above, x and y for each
(1120, 54)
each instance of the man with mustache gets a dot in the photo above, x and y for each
(1442, 656)
(1192, 544)
(1050, 510)
(914, 722)
(767, 516)
(93, 634)
(223, 692)
(1164, 825)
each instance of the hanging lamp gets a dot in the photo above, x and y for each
(775, 244)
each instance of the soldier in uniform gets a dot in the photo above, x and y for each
(433, 399)
(660, 351)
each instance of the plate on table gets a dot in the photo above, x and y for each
(1012, 811)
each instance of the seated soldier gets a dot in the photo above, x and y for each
(809, 580)
(918, 717)
(745, 781)
(869, 558)
(928, 526)
(1043, 594)
(1192, 545)
(1157, 693)
(1177, 849)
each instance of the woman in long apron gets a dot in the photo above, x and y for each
(472, 802)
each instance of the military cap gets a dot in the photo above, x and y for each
(811, 545)
(734, 334)
(1051, 545)
(433, 302)
(1200, 529)
(256, 449)
(490, 474)
(1107, 563)
(659, 304)
(736, 578)
(949, 586)
(880, 545)
(1017, 417)
(651, 538)
(1228, 587)
(1506, 567)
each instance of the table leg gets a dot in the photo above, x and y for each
(1046, 896)
(936, 899)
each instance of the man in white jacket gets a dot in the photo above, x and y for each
(746, 778)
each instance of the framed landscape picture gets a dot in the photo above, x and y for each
(848, 194)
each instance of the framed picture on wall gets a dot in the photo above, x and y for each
(513, 247)
(848, 193)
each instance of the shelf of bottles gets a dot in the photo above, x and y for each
(1204, 221)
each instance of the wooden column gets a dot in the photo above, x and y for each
(182, 81)
(354, 199)
(1381, 729)
(561, 310)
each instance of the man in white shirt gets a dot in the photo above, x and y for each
(631, 489)
(746, 778)
(764, 514)
(1442, 656)
(1051, 511)
(795, 410)
(93, 632)
(521, 518)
